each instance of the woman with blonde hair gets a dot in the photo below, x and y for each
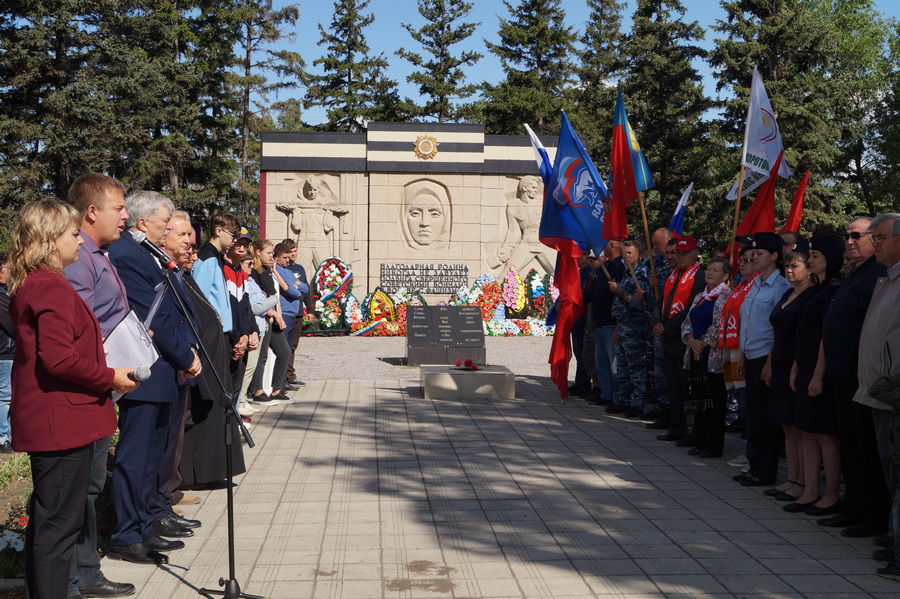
(61, 393)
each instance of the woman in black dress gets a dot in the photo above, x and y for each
(785, 319)
(816, 414)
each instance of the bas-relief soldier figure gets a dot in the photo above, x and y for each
(313, 221)
(521, 245)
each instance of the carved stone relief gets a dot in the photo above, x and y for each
(425, 215)
(519, 245)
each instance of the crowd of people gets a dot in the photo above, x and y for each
(75, 271)
(800, 332)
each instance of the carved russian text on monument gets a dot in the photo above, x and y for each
(436, 279)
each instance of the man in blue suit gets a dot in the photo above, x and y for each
(145, 414)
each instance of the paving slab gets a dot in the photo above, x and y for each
(364, 489)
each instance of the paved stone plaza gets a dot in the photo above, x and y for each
(363, 489)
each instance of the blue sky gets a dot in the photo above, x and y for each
(386, 34)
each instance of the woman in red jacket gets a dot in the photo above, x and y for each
(61, 387)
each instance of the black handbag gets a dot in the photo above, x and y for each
(699, 391)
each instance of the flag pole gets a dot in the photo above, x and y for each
(737, 213)
(647, 239)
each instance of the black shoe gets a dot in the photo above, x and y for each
(795, 507)
(161, 544)
(739, 478)
(885, 554)
(834, 508)
(599, 401)
(6, 447)
(694, 450)
(784, 497)
(753, 481)
(616, 409)
(576, 390)
(839, 521)
(633, 412)
(862, 529)
(186, 522)
(169, 528)
(652, 415)
(139, 553)
(108, 588)
(705, 453)
(659, 425)
(736, 427)
(884, 541)
(670, 437)
(589, 394)
(686, 441)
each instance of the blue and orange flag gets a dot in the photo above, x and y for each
(629, 175)
(571, 223)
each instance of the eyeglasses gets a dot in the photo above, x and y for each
(745, 261)
(855, 235)
(878, 239)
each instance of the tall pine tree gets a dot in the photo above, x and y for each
(665, 100)
(353, 88)
(793, 47)
(600, 67)
(441, 79)
(534, 49)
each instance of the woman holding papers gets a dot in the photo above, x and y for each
(61, 387)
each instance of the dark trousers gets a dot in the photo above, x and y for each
(676, 389)
(179, 412)
(709, 425)
(279, 345)
(57, 506)
(582, 379)
(866, 495)
(86, 562)
(143, 434)
(764, 437)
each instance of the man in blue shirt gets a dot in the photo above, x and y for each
(101, 201)
(291, 292)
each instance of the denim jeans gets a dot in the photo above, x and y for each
(605, 361)
(5, 397)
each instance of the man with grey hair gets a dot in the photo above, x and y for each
(879, 345)
(864, 511)
(145, 414)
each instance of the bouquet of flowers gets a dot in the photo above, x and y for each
(353, 315)
(514, 291)
(417, 299)
(488, 299)
(466, 364)
(460, 298)
(331, 315)
(333, 278)
(501, 328)
(380, 306)
(554, 291)
(401, 296)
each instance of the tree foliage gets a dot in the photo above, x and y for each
(354, 88)
(441, 79)
(534, 48)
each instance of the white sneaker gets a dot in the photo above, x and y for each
(249, 406)
(739, 461)
(246, 411)
(746, 468)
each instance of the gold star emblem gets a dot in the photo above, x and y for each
(426, 147)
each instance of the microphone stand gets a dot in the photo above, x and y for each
(231, 588)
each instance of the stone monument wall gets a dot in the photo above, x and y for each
(416, 205)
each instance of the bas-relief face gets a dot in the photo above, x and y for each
(425, 219)
(529, 188)
(311, 188)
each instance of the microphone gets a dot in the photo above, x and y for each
(160, 255)
(141, 373)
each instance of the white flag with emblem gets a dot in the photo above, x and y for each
(762, 140)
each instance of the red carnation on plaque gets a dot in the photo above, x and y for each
(458, 363)
(468, 363)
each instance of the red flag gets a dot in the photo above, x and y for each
(796, 216)
(568, 280)
(761, 215)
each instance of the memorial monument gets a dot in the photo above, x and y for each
(420, 206)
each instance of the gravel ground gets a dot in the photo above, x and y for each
(378, 358)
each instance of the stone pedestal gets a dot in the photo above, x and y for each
(440, 381)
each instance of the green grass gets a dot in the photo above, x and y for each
(17, 467)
